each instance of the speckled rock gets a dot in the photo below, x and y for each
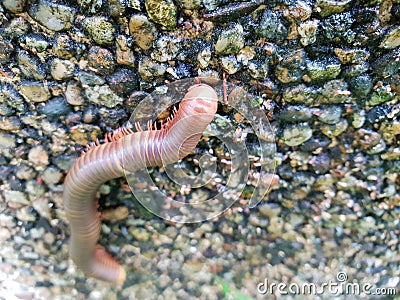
(6, 50)
(52, 175)
(189, 4)
(84, 134)
(230, 40)
(291, 67)
(335, 129)
(54, 16)
(295, 135)
(308, 32)
(62, 69)
(295, 113)
(35, 91)
(388, 64)
(166, 48)
(38, 156)
(338, 27)
(230, 64)
(64, 47)
(73, 94)
(329, 7)
(10, 97)
(101, 59)
(124, 53)
(143, 31)
(100, 29)
(381, 95)
(14, 6)
(102, 95)
(335, 92)
(352, 56)
(124, 81)
(149, 69)
(297, 11)
(392, 38)
(162, 12)
(30, 66)
(323, 69)
(7, 141)
(16, 197)
(271, 26)
(34, 42)
(330, 114)
(56, 107)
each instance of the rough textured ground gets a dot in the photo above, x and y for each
(326, 73)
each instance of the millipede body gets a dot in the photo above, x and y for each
(129, 151)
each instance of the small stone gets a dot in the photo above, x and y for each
(258, 69)
(101, 59)
(166, 48)
(10, 96)
(271, 26)
(56, 107)
(323, 69)
(124, 81)
(381, 95)
(308, 32)
(330, 114)
(189, 4)
(17, 27)
(16, 197)
(358, 119)
(24, 214)
(25, 172)
(352, 56)
(391, 39)
(4, 234)
(103, 95)
(115, 214)
(38, 156)
(297, 11)
(334, 130)
(91, 6)
(7, 141)
(62, 69)
(355, 70)
(338, 27)
(204, 58)
(300, 94)
(149, 69)
(84, 134)
(51, 175)
(143, 31)
(73, 93)
(90, 79)
(116, 8)
(34, 189)
(6, 50)
(35, 42)
(35, 91)
(294, 113)
(64, 47)
(54, 16)
(335, 92)
(140, 234)
(101, 31)
(163, 12)
(388, 64)
(361, 86)
(30, 67)
(230, 41)
(294, 135)
(14, 6)
(124, 52)
(329, 7)
(230, 64)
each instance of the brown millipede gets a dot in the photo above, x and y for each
(127, 150)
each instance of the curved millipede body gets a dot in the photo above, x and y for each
(128, 151)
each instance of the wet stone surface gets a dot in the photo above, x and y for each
(326, 76)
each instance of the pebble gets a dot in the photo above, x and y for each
(149, 69)
(271, 26)
(62, 69)
(162, 12)
(83, 135)
(73, 93)
(51, 175)
(14, 6)
(101, 59)
(34, 42)
(38, 156)
(230, 41)
(15, 197)
(101, 31)
(56, 107)
(319, 70)
(124, 53)
(335, 129)
(143, 31)
(56, 17)
(35, 91)
(392, 38)
(295, 135)
(103, 95)
(308, 32)
(330, 114)
(7, 141)
(124, 81)
(30, 66)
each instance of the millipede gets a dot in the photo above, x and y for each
(126, 150)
